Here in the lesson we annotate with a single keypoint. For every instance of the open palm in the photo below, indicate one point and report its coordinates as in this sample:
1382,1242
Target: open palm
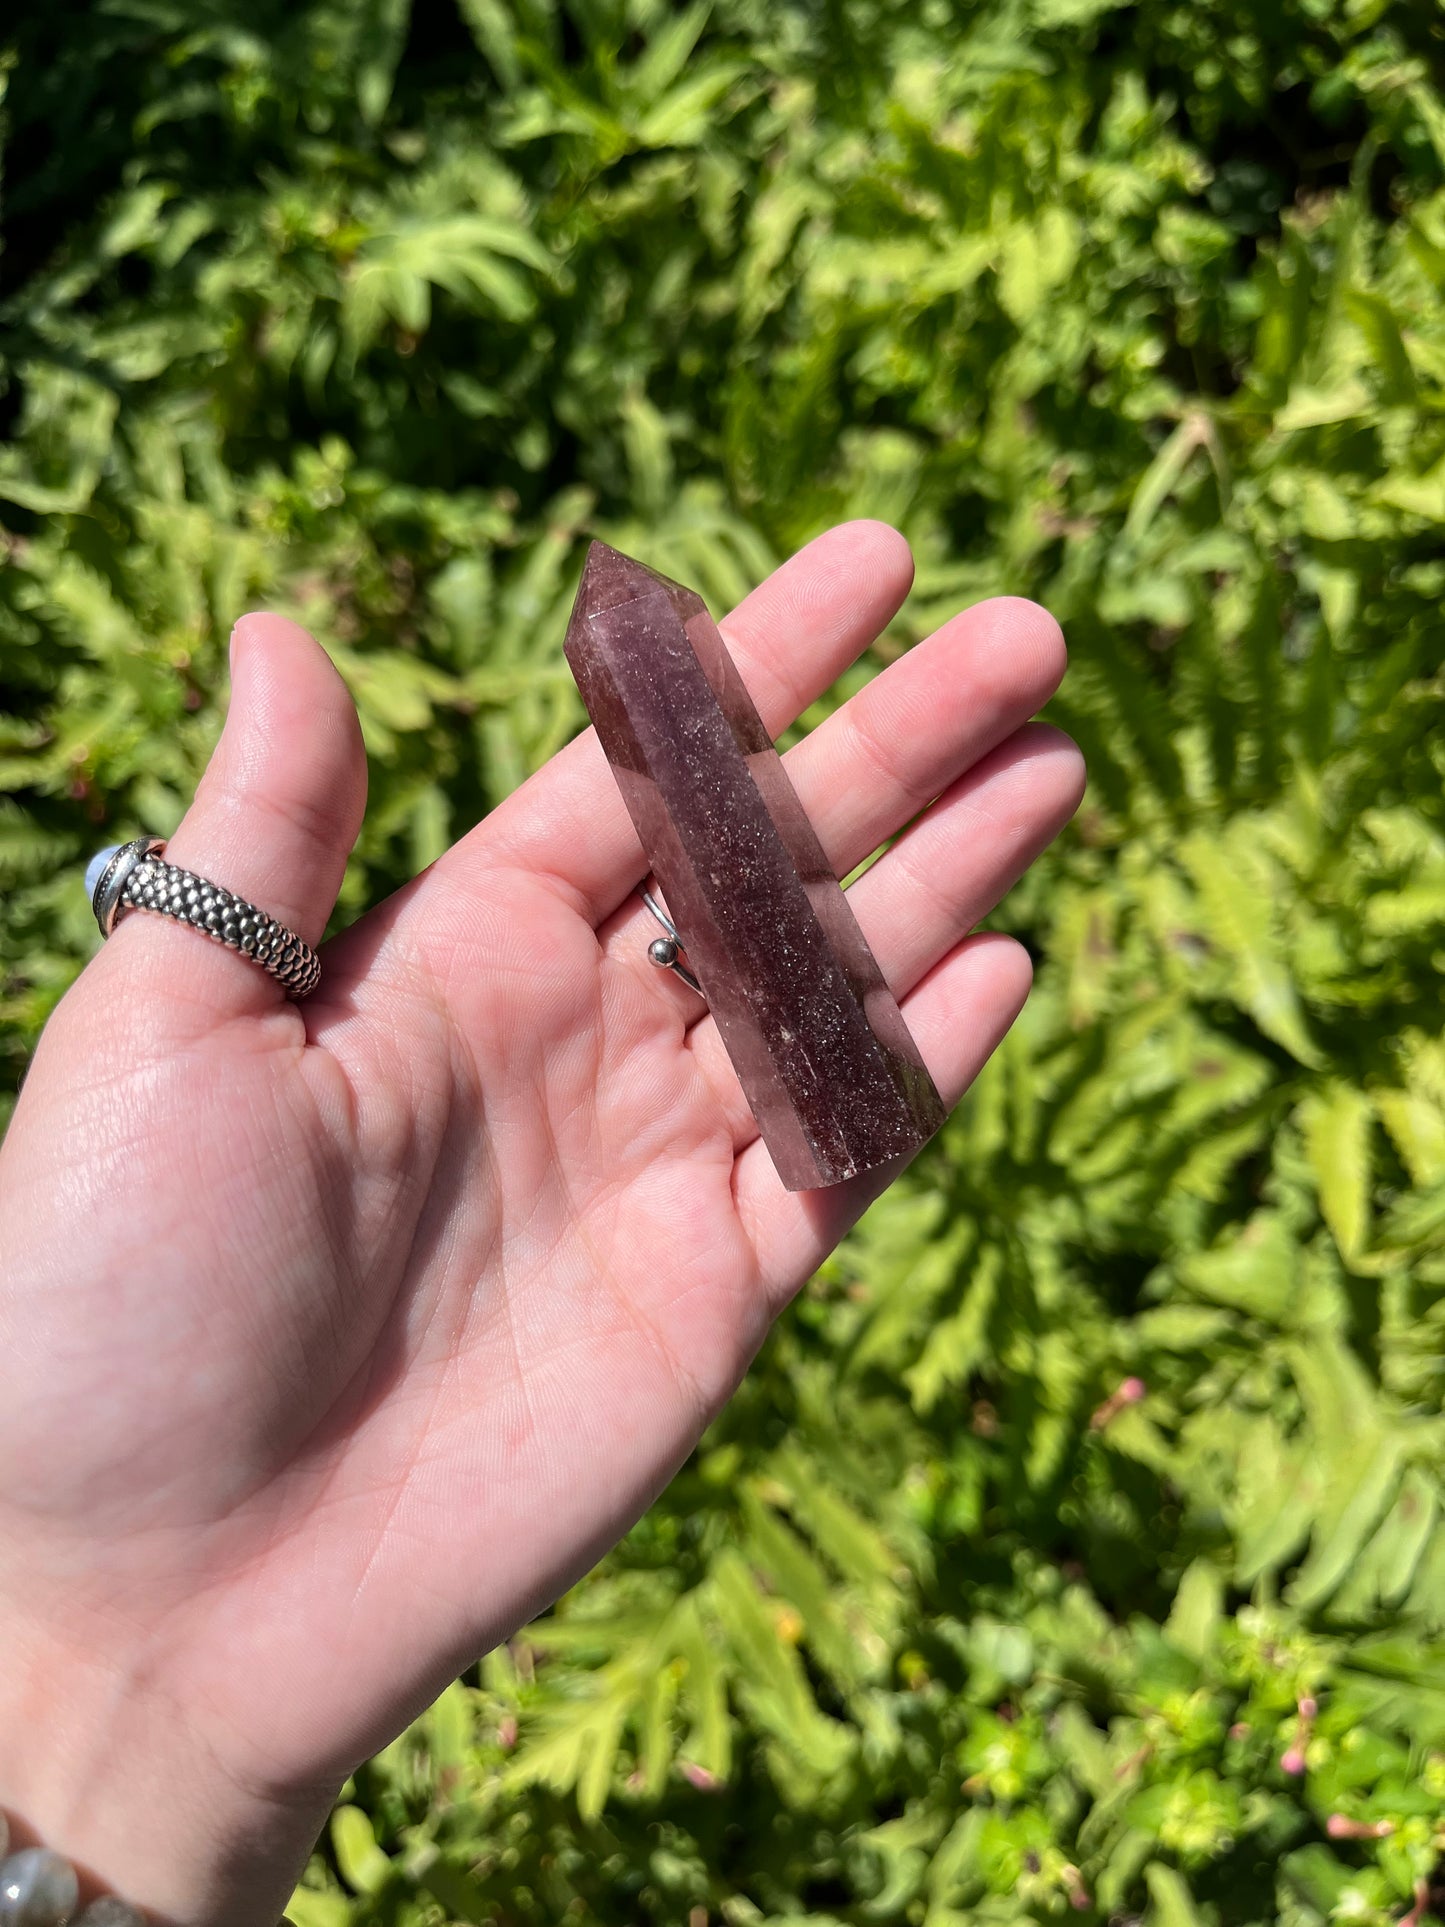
344,1336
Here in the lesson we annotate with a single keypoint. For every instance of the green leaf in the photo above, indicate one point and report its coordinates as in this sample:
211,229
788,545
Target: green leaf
1163,475
1170,1902
1337,1126
957,1344
1195,1615
771,1681
708,1744
380,29
667,52
1416,1125
686,114
1379,327
1422,495
494,32
309,1907
1239,915
364,1867
1321,407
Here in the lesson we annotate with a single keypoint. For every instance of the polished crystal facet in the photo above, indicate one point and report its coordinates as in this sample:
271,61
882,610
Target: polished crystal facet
834,1078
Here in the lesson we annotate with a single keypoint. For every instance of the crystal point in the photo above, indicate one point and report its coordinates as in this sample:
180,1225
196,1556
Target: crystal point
821,1049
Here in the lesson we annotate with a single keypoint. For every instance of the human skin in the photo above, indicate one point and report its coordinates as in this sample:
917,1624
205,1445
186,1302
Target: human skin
340,1338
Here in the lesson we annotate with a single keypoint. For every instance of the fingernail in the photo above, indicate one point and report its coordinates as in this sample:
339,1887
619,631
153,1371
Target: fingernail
238,634
241,637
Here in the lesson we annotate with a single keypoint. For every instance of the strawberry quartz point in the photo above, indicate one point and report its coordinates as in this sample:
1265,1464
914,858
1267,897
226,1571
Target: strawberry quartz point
825,1059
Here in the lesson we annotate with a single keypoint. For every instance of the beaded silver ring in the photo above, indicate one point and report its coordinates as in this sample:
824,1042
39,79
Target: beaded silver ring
135,876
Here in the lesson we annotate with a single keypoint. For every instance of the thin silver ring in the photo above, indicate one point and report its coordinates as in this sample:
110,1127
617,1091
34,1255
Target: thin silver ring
663,951
137,877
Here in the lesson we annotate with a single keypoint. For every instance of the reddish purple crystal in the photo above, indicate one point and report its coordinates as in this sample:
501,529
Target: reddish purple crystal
819,1044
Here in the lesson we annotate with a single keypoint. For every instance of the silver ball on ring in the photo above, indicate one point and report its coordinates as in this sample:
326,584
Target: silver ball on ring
663,952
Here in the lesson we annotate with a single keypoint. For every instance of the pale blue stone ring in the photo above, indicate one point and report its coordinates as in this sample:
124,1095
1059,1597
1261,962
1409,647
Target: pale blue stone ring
95,869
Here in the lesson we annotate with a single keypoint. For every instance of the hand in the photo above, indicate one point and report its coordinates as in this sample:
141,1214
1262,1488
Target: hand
340,1338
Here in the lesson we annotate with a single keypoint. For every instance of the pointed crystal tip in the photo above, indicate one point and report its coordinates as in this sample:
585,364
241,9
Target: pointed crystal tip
610,578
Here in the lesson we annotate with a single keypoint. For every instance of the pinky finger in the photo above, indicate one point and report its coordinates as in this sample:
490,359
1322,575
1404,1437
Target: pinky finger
959,1014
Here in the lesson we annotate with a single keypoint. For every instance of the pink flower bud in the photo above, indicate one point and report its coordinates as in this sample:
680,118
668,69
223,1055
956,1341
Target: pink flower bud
1078,1893
1340,1827
1128,1392
699,1777
1293,1761
1307,1708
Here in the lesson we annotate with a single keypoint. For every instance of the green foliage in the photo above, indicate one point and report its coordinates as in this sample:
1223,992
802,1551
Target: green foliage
1079,1542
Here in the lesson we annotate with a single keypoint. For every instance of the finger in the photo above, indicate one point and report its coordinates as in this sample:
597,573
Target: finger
941,877
791,639
959,1014
899,742
273,820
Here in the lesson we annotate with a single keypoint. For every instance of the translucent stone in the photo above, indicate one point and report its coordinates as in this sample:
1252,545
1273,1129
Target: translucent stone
109,1911
96,867
836,1082
37,1889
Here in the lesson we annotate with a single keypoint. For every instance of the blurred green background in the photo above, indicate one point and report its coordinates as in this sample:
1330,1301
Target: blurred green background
1077,1546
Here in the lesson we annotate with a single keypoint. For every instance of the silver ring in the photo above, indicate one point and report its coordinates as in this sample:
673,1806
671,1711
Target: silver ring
135,876
663,951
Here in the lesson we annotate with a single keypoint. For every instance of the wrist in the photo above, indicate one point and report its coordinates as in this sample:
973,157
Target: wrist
109,1768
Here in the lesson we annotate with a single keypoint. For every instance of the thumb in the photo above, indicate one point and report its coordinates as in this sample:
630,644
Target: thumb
274,819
